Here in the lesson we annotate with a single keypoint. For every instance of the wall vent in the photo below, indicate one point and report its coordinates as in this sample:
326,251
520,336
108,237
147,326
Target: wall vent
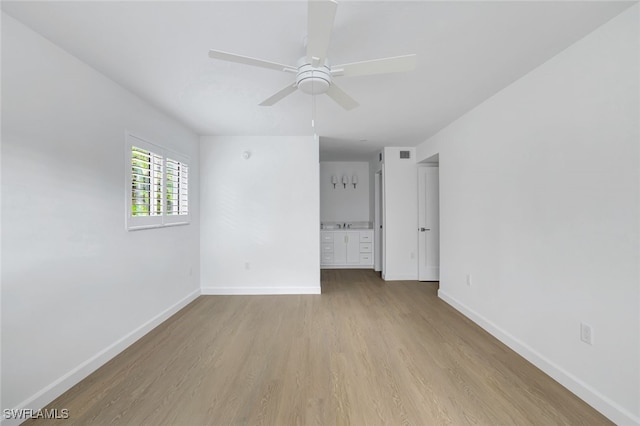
405,154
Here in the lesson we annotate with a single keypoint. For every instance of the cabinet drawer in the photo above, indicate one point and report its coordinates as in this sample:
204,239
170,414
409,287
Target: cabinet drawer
326,258
327,247
326,237
366,259
366,237
366,247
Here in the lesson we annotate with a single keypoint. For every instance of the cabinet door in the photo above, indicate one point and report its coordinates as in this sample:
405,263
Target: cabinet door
353,247
340,248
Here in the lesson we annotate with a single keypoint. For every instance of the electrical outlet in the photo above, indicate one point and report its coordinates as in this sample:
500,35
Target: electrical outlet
586,333
469,280
247,265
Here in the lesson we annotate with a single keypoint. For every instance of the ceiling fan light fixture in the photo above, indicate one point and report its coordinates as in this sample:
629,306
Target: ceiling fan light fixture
313,80
314,85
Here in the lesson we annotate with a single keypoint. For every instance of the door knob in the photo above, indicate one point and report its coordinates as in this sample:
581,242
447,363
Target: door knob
424,229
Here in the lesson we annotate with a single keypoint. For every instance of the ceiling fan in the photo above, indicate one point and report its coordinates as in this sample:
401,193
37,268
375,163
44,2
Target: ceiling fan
314,74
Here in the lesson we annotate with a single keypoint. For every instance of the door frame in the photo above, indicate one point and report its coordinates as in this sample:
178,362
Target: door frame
431,162
378,235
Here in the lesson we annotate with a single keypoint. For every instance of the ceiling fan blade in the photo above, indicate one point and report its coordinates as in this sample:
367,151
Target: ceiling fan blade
280,95
341,97
321,15
376,66
232,57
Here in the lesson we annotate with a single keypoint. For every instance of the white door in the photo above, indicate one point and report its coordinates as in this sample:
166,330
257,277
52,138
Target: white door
377,223
429,224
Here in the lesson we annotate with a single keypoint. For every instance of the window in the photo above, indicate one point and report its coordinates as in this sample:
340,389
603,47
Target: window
146,182
177,187
158,186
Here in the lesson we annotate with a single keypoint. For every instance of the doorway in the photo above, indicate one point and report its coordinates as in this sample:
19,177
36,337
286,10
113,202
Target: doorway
429,220
378,243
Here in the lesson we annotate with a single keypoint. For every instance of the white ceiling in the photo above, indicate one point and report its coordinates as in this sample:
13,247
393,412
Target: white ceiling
467,51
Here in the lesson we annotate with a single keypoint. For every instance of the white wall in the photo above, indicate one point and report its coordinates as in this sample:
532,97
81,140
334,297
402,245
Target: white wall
72,292
540,204
375,165
342,204
400,217
261,216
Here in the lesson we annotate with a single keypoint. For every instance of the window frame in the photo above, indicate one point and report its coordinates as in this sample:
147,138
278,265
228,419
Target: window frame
163,219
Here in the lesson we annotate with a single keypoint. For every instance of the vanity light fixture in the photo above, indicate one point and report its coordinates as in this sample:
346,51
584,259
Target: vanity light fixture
345,180
354,180
334,181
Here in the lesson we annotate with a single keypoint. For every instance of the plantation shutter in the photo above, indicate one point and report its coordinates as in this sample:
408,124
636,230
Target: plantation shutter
146,182
177,194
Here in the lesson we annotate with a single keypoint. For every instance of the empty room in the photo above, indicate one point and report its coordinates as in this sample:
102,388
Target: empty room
320,212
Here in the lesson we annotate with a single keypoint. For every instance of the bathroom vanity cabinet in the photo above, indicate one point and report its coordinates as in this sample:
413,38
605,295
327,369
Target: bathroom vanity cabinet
346,249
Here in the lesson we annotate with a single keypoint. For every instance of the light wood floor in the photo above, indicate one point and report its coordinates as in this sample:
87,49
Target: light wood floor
365,352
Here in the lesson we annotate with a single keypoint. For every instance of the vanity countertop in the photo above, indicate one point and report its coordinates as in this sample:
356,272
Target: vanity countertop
353,228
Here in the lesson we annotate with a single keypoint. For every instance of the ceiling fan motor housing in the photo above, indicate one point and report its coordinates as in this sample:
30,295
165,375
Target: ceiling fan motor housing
313,80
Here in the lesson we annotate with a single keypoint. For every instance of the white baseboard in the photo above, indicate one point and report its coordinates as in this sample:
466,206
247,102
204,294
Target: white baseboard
591,396
346,266
255,291
400,277
41,398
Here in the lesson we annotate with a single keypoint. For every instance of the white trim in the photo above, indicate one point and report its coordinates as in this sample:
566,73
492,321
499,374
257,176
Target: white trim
166,225
400,277
176,223
255,291
326,266
600,402
377,223
50,392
